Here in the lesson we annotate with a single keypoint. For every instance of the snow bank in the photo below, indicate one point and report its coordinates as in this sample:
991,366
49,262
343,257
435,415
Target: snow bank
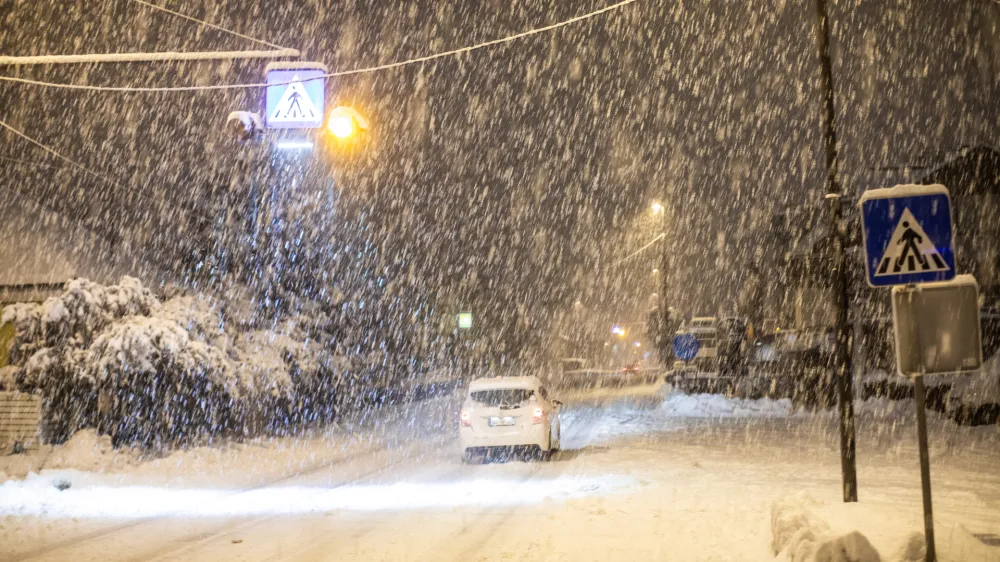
7,381
976,389
85,451
88,451
717,405
798,535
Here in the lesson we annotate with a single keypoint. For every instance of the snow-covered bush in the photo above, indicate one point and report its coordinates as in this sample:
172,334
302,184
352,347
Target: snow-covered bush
150,372
74,318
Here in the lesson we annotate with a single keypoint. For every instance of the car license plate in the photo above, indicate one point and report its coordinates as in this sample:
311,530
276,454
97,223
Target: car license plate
501,421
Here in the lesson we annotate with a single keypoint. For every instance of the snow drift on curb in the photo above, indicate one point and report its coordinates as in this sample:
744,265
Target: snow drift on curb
799,536
715,405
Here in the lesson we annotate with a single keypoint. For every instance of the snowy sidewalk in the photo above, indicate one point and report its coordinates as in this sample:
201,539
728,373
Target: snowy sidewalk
88,458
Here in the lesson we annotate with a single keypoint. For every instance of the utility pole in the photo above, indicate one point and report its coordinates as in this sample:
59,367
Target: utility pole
842,369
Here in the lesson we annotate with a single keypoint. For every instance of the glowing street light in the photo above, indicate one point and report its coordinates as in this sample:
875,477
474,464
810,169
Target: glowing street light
656,207
344,122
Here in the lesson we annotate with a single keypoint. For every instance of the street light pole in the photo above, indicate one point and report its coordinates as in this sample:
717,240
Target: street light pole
842,369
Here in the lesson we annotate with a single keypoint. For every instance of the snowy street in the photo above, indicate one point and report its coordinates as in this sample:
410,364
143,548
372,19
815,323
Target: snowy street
644,475
602,280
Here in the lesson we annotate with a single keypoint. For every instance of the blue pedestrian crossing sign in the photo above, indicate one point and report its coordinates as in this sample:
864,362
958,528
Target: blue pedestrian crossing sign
297,98
908,235
685,347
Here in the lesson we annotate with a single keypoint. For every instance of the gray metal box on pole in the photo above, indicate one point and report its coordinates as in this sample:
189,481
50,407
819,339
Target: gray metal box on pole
937,327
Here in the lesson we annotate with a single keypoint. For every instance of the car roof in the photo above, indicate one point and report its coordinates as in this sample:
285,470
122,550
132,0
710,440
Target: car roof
504,382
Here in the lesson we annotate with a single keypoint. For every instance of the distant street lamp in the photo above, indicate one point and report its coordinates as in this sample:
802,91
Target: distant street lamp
656,207
345,122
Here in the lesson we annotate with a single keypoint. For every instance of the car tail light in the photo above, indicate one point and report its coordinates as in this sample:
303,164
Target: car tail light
537,415
466,419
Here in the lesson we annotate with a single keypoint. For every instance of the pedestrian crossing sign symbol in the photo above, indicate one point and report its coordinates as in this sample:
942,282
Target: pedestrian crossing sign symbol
296,98
294,105
910,250
908,235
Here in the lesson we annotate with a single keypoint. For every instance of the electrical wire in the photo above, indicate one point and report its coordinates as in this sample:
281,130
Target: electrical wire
277,51
52,151
30,163
642,249
160,204
365,70
207,24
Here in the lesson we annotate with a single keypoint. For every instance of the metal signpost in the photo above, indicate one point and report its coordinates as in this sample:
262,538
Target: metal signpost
908,244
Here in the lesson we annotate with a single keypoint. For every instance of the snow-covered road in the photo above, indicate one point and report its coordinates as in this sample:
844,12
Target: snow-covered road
642,477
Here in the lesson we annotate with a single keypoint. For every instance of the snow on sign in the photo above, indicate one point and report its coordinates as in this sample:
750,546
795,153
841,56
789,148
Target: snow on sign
908,235
296,100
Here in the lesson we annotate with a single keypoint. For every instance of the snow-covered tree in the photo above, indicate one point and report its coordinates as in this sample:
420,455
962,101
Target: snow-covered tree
149,371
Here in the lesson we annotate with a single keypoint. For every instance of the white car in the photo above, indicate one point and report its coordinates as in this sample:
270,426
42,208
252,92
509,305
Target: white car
513,416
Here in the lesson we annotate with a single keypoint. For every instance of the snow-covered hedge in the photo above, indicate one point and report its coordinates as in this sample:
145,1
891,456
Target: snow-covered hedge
117,357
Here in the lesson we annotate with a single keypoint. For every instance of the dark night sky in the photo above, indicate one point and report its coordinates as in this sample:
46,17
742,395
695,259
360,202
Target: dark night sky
516,170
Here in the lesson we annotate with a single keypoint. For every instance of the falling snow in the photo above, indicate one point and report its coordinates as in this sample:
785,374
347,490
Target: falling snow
246,341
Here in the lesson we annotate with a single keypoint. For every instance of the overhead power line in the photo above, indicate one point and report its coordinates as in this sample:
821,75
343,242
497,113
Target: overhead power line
208,24
159,203
29,163
365,70
145,57
277,52
642,249
67,159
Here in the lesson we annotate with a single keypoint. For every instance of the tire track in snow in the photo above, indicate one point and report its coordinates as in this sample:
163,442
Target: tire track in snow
585,425
315,548
247,525
75,542
201,539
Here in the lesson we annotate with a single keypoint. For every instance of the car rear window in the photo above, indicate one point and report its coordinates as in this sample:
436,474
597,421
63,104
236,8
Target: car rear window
501,396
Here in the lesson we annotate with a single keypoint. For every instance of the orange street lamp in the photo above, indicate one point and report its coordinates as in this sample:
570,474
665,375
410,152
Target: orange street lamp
344,122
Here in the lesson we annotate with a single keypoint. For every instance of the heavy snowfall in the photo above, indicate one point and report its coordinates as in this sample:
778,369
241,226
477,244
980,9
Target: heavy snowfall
540,281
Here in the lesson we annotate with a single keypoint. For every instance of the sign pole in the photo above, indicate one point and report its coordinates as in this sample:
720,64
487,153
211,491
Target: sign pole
908,234
842,369
925,467
920,394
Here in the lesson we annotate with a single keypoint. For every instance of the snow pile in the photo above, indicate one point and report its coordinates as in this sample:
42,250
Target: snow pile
7,380
976,389
798,535
717,405
85,451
